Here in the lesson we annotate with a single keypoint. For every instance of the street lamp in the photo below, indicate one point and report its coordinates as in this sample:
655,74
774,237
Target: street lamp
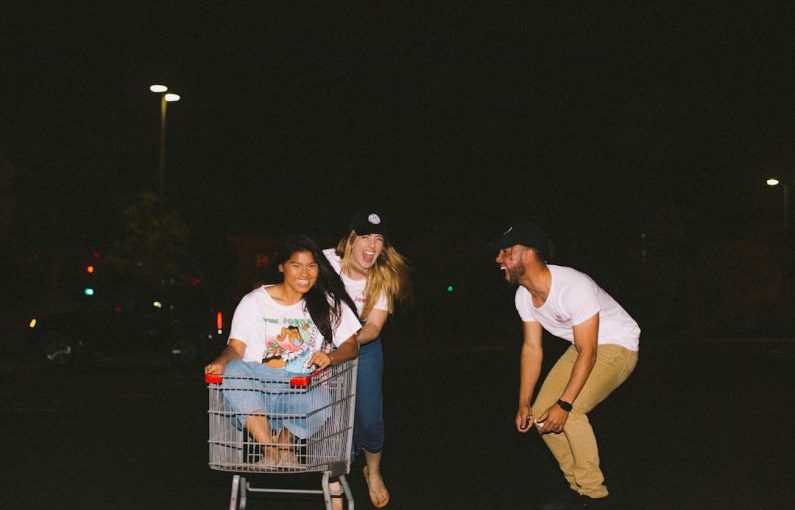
772,181
775,182
165,98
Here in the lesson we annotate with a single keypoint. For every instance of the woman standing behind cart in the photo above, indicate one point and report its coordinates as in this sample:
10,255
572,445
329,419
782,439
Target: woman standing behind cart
281,328
375,276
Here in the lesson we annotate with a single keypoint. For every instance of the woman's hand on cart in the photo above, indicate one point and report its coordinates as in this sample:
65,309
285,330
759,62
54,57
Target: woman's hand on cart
233,350
320,360
215,367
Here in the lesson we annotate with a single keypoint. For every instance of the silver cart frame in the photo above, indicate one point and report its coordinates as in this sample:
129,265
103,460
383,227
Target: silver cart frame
321,405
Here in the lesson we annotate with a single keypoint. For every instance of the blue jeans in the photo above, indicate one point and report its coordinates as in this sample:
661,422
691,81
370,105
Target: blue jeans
368,426
254,388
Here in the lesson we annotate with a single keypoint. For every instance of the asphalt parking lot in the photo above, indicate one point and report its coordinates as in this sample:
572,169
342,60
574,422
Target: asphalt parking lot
700,424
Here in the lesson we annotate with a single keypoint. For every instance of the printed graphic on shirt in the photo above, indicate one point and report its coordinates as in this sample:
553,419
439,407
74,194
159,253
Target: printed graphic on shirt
287,339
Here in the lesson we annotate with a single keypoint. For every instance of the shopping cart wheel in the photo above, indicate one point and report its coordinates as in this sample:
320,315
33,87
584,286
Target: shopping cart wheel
243,492
345,491
238,493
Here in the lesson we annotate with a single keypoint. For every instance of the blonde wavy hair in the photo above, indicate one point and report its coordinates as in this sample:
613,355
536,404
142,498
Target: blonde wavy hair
389,274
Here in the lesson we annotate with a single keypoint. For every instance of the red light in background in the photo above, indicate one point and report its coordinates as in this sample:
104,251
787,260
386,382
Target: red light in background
117,308
219,321
90,269
95,254
196,282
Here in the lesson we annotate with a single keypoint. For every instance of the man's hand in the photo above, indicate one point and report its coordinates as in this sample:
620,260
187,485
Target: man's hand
552,420
524,418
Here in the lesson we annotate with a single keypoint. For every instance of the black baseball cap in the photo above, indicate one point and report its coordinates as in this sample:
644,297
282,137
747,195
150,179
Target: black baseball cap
368,221
527,234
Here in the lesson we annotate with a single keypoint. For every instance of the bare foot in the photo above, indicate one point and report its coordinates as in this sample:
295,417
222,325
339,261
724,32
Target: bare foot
288,459
270,456
379,496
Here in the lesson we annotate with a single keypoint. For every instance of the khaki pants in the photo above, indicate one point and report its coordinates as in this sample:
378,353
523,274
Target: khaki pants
575,448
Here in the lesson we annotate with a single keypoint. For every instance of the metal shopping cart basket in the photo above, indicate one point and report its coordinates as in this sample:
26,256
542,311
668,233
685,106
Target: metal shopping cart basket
310,419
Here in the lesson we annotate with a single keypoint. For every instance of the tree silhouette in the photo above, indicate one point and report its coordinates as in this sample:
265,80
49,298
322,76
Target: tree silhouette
154,248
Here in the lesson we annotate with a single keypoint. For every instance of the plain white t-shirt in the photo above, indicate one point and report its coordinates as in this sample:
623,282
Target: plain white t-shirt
355,288
270,329
573,298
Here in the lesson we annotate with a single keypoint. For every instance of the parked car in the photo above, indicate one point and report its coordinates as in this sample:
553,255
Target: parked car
177,322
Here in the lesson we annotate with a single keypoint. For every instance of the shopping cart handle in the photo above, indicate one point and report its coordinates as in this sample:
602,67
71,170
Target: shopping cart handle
299,381
213,379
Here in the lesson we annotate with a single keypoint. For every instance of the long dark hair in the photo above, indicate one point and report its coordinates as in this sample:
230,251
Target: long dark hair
324,300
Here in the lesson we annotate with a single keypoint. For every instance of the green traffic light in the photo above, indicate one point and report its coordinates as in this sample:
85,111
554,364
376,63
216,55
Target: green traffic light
450,288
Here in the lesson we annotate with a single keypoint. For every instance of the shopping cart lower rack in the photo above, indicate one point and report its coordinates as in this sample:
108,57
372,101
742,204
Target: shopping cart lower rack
309,429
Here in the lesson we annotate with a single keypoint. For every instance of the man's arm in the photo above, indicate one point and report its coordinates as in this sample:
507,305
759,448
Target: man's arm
585,341
529,371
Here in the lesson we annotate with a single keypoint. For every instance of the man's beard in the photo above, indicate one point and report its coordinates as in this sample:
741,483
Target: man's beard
514,274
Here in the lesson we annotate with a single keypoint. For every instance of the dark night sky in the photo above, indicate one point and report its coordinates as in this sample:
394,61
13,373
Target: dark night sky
597,122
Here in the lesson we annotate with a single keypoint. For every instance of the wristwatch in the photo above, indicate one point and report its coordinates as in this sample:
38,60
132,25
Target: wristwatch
566,406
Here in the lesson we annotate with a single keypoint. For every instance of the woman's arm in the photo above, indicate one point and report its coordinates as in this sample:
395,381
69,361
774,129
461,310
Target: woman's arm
349,349
372,327
233,350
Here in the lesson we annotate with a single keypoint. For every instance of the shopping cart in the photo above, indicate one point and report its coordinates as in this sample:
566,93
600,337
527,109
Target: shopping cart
311,421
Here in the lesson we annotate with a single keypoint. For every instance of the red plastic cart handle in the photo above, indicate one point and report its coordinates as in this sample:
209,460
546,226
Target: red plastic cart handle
299,381
213,379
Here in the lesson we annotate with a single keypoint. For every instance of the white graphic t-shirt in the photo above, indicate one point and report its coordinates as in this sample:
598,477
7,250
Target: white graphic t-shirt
573,298
355,288
271,330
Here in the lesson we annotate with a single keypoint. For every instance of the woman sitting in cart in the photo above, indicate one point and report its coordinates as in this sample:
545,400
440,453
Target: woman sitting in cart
280,330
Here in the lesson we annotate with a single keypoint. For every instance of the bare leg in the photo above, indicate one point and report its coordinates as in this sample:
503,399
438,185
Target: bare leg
379,496
257,426
285,442
285,437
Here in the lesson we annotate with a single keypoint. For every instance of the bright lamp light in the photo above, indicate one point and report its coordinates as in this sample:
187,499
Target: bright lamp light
772,182
172,97
158,89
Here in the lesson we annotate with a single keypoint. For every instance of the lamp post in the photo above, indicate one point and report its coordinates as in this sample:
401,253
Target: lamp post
775,182
787,213
165,98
